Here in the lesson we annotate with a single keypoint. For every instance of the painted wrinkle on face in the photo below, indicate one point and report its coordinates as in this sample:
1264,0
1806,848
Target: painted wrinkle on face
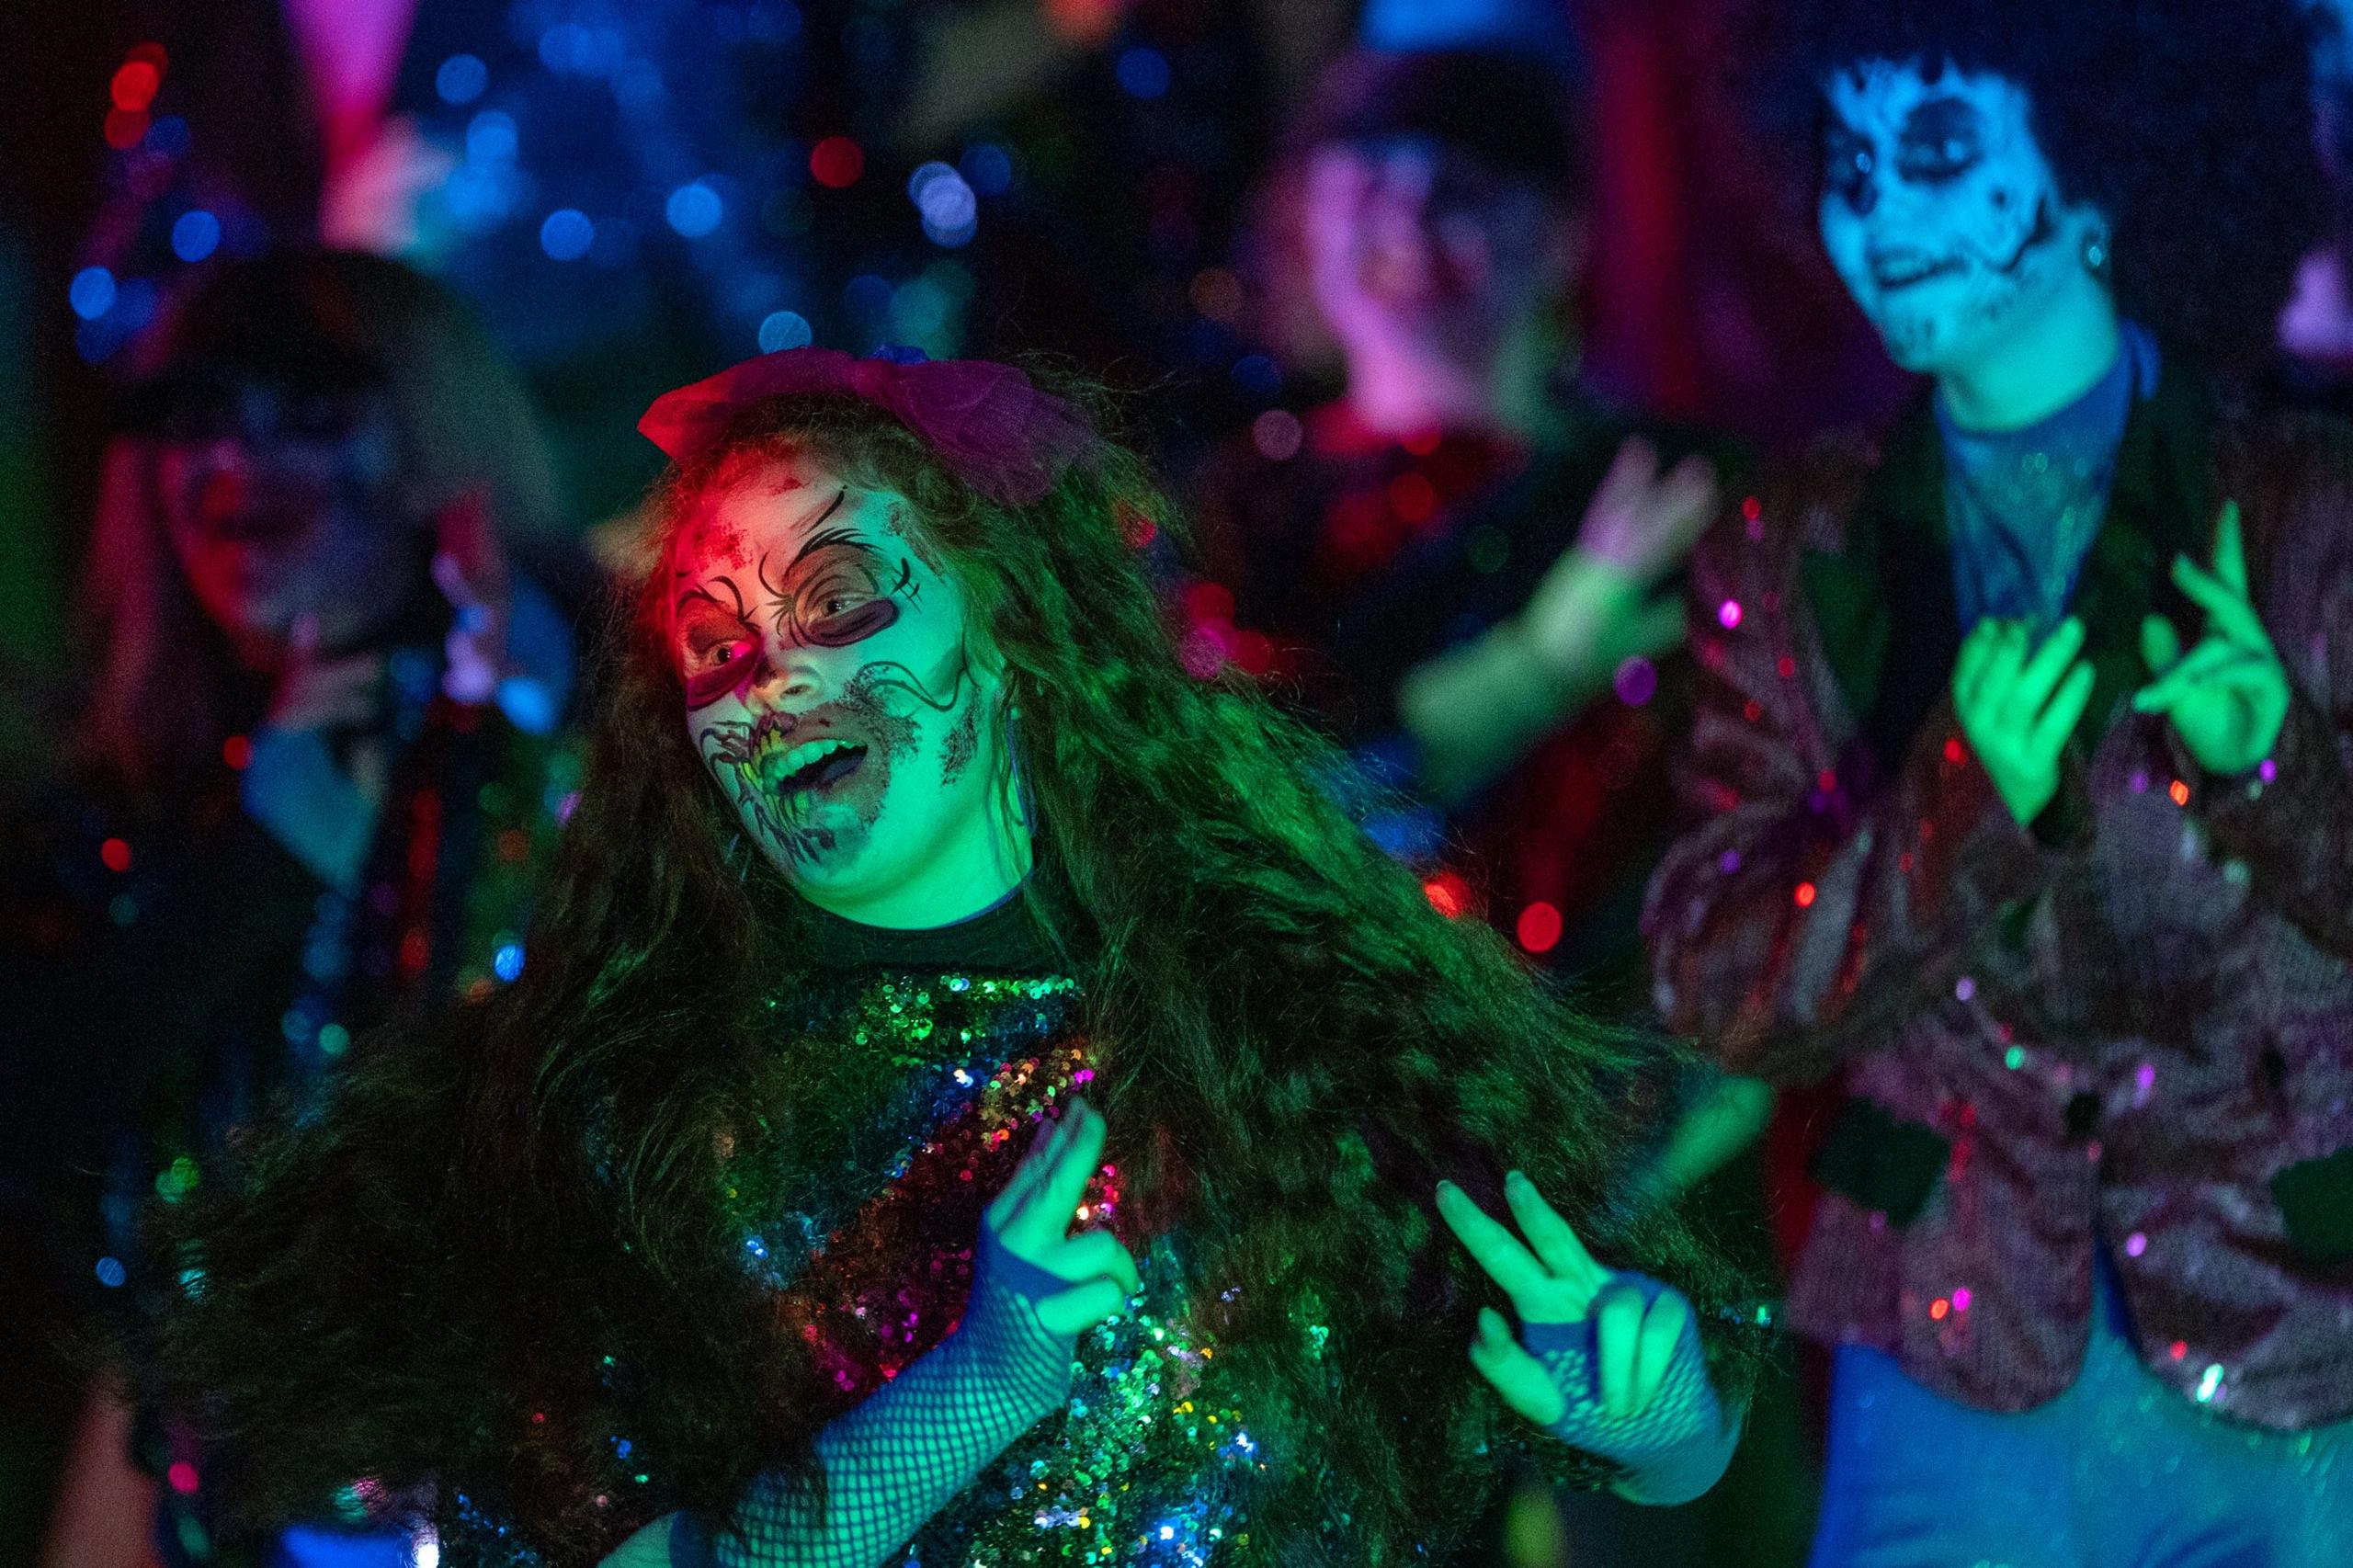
1938,210
821,654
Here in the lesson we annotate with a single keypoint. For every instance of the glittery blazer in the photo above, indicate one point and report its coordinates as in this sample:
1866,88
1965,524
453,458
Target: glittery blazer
2129,1027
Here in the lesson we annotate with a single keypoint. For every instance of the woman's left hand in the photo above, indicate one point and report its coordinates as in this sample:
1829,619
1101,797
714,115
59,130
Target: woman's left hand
1605,1359
2228,696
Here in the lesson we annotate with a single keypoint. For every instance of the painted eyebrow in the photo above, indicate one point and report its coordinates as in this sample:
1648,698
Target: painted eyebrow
703,592
826,540
818,522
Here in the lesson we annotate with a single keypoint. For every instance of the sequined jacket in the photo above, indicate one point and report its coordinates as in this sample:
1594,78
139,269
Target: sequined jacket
2131,1027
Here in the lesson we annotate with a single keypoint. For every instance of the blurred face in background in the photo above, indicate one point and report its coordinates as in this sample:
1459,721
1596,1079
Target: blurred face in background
286,506
1417,249
1941,214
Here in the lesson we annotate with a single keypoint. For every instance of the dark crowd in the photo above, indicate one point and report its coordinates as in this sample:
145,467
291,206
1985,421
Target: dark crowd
1170,784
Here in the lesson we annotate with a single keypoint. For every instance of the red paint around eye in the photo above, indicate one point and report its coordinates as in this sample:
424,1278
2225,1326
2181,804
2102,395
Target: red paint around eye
707,687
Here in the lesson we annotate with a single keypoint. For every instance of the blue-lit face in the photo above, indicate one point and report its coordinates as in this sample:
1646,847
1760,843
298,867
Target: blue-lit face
1939,210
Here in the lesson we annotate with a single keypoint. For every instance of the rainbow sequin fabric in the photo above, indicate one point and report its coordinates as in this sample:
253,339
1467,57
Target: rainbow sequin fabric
872,1263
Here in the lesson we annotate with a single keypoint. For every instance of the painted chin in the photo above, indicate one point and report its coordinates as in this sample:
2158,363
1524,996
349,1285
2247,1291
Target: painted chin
810,786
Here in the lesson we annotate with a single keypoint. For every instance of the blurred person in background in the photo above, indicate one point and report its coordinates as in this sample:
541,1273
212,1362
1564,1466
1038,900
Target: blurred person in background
1460,567
2022,759
303,772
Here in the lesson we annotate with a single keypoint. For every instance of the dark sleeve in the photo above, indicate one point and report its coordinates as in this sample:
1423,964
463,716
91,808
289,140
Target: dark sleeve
2292,820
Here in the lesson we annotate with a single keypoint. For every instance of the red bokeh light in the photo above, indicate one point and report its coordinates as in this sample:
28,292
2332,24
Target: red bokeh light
1448,894
134,85
116,854
836,162
1539,928
124,127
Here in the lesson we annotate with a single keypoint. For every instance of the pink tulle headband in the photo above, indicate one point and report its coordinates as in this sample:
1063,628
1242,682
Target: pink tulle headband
993,429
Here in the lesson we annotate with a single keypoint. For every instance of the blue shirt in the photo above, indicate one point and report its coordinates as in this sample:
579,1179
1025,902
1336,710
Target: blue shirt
2022,506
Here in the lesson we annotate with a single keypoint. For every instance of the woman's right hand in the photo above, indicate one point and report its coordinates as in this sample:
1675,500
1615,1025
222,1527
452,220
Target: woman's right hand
1031,1219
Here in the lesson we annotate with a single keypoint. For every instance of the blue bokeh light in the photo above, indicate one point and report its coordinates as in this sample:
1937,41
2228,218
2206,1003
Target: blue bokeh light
567,233
196,236
508,962
785,329
695,210
91,293
461,79
988,167
491,138
1143,71
1257,375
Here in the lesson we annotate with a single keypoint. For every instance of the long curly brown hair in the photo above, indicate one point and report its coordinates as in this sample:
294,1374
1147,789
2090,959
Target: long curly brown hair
1295,1046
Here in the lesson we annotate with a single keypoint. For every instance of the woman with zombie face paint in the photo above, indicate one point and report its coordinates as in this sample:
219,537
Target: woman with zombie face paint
971,1095
2024,764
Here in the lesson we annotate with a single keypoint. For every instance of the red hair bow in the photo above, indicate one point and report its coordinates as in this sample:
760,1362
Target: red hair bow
993,429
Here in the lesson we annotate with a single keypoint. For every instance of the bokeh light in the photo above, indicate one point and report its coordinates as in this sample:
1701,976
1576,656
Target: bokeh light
1143,71
836,162
780,330
694,209
461,79
567,233
92,292
196,236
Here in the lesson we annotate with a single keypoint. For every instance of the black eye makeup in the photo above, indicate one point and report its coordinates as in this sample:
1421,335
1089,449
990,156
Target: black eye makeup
1847,165
836,589
840,590
1942,139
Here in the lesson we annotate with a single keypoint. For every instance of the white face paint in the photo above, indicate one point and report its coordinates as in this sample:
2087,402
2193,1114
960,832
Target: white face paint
1940,213
831,691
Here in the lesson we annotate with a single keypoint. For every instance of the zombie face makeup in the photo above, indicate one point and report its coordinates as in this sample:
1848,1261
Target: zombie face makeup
840,699
283,504
1940,213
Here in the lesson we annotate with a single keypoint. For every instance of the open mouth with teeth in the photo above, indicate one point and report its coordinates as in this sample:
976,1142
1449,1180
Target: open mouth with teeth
798,775
1893,274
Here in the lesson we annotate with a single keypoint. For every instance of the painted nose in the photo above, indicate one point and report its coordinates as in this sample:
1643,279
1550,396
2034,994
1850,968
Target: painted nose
788,677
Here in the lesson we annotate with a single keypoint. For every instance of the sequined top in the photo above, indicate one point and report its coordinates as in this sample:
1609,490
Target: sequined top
1147,1464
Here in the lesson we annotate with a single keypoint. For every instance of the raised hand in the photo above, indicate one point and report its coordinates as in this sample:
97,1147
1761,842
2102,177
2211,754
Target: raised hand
1607,1360
1594,608
1030,1222
2228,696
321,810
2018,703
469,568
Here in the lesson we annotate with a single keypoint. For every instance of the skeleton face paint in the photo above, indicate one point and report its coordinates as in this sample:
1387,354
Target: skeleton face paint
830,689
1940,211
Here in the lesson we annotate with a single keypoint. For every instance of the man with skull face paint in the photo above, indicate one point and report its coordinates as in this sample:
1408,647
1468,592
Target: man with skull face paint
2023,760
